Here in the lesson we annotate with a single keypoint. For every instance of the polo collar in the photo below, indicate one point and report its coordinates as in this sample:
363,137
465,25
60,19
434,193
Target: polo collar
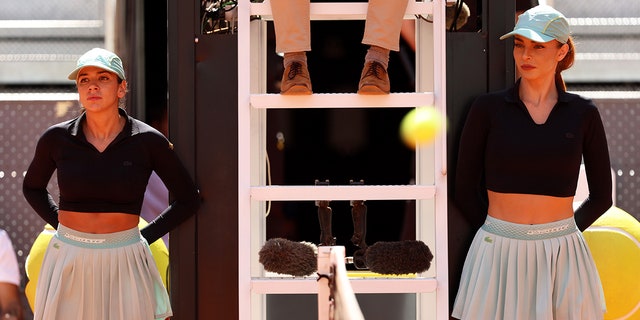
513,97
75,126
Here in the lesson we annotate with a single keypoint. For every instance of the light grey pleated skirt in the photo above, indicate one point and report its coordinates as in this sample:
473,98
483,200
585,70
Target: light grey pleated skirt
89,276
520,271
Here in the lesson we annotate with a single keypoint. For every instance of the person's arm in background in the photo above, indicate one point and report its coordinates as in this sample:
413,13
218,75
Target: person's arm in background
156,199
10,302
11,308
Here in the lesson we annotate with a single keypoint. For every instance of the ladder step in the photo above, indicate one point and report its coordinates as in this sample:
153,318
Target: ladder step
342,192
342,10
369,285
342,100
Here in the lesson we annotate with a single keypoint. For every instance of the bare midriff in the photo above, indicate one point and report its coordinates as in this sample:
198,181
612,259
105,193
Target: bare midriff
529,208
98,222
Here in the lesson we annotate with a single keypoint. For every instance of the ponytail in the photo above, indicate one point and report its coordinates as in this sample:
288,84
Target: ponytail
565,64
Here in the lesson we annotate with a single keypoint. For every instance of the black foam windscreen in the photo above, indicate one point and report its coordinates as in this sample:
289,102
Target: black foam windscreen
289,257
398,257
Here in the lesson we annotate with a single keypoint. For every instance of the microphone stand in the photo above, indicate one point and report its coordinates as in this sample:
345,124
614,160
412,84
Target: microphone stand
324,218
359,218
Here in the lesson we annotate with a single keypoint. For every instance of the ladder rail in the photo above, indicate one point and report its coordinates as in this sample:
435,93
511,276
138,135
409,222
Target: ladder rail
369,192
374,285
430,188
341,10
342,100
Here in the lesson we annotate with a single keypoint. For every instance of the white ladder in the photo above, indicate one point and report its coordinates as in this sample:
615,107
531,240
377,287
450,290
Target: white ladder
430,191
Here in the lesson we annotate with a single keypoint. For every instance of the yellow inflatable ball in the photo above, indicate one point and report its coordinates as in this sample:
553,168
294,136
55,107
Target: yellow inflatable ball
614,241
36,255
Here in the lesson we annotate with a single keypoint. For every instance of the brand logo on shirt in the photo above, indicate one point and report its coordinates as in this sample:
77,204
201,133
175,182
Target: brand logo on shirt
127,163
488,240
569,135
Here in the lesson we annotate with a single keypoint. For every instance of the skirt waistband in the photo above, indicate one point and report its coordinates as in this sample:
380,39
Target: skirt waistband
98,240
530,231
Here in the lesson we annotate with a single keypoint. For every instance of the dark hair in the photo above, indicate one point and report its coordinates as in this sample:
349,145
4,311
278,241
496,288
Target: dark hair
565,63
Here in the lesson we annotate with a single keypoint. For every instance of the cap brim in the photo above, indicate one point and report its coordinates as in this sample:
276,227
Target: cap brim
530,34
74,74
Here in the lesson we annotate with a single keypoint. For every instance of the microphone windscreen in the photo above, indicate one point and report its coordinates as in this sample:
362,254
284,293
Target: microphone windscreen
289,257
461,19
398,257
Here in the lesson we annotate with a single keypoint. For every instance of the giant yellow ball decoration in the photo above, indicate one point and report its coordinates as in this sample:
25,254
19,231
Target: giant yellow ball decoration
420,126
614,241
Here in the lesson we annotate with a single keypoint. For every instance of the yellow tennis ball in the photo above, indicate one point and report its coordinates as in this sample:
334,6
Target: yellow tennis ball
420,126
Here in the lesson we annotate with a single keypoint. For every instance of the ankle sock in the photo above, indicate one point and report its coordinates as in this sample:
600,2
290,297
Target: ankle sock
378,54
290,57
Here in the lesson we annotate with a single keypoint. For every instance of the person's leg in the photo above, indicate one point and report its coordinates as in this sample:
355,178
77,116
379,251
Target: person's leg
382,34
291,21
383,24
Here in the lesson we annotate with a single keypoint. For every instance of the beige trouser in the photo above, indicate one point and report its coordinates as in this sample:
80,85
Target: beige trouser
292,19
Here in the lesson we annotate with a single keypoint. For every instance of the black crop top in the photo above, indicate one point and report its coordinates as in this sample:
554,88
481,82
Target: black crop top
110,181
502,149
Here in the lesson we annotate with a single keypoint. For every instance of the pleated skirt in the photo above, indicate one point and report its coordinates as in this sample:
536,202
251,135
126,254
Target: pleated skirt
100,276
520,271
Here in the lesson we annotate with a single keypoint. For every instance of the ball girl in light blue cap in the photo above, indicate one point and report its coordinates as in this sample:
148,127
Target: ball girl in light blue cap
518,163
98,265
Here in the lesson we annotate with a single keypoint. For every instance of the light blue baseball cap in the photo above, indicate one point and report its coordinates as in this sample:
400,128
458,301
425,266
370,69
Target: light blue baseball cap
101,58
541,23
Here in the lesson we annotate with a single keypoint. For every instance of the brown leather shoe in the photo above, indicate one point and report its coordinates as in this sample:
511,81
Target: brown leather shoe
374,79
295,80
